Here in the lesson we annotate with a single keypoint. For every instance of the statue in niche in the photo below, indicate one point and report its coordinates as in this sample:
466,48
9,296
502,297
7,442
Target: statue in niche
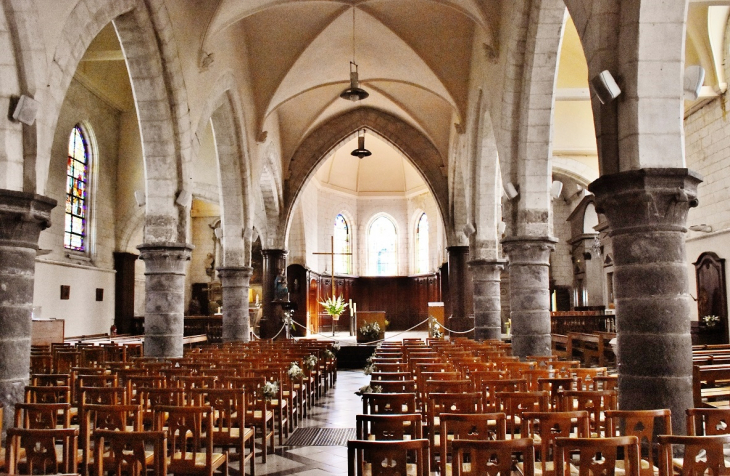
210,265
281,291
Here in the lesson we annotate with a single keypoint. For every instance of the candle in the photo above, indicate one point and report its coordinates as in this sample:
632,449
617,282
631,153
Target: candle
350,304
354,308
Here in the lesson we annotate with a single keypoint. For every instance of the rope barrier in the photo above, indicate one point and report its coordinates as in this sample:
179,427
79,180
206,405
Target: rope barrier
272,338
396,335
457,332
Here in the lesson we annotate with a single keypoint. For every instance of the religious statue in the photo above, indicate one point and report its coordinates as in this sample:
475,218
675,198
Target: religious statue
281,291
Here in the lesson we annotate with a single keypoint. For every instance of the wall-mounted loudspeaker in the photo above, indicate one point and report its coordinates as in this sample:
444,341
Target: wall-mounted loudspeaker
556,188
605,87
184,198
26,109
510,190
469,229
140,197
694,76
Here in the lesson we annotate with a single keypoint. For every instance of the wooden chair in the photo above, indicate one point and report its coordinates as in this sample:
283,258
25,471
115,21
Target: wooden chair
258,414
388,403
544,427
701,454
492,457
439,403
556,386
595,402
514,404
47,394
390,376
279,405
395,386
597,455
113,417
404,426
229,426
41,450
467,426
644,425
387,458
491,387
125,453
708,421
190,438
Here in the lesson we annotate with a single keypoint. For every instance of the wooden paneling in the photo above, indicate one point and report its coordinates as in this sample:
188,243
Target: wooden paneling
124,291
46,331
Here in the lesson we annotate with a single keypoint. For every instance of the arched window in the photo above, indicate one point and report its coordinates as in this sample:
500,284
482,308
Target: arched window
382,241
422,245
343,263
77,192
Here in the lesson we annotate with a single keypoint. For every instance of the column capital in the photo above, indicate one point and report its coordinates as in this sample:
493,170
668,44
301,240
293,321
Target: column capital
22,217
529,249
165,258
497,263
655,199
235,271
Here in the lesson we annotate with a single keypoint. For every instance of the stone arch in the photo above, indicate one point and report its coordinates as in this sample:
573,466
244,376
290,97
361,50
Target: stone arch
145,33
233,169
319,144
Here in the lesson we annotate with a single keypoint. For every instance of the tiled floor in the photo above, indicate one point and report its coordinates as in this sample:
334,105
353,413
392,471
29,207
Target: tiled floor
337,409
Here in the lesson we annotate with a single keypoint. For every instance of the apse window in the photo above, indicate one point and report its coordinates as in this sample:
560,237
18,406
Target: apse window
422,245
77,192
382,241
343,248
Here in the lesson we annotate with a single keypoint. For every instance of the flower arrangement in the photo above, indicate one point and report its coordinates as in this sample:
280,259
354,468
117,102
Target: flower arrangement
434,328
310,362
711,320
295,372
334,306
336,347
368,389
370,330
270,390
370,368
329,354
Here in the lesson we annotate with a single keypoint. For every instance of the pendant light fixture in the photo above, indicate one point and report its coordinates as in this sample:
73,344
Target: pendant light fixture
361,151
354,92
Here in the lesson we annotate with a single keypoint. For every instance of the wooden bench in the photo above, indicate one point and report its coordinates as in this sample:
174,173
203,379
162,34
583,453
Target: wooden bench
559,346
584,347
711,386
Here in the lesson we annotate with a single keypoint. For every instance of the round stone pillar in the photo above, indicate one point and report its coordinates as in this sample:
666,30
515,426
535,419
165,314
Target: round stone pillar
647,214
22,217
234,284
272,318
487,302
460,289
529,276
164,297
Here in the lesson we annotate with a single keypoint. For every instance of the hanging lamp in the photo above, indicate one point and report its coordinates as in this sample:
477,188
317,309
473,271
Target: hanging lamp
361,151
354,92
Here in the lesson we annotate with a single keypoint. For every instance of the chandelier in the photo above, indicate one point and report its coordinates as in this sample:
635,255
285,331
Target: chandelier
354,92
361,151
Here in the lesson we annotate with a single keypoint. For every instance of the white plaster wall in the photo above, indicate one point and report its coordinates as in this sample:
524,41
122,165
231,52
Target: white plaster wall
84,315
330,204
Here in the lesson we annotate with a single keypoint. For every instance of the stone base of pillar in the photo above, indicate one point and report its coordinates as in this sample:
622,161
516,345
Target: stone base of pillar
235,284
487,298
461,325
647,214
22,217
529,266
164,297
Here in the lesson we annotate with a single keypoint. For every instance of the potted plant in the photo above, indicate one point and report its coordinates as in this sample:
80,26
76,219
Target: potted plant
334,306
370,331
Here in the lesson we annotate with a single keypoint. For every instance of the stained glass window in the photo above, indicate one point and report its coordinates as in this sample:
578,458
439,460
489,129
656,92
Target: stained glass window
422,245
382,240
77,180
343,263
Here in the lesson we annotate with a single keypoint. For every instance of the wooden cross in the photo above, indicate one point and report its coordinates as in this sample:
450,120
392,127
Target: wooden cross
332,253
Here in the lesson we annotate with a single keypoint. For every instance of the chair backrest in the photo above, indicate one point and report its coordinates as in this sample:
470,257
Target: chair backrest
102,395
47,394
42,450
388,458
229,406
42,416
388,403
395,386
490,388
389,427
595,402
468,426
708,421
124,452
643,424
514,404
190,434
694,461
544,427
492,457
597,455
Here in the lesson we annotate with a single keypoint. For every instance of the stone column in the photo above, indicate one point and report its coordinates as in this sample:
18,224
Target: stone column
529,269
647,215
164,297
271,320
234,283
22,217
487,301
460,289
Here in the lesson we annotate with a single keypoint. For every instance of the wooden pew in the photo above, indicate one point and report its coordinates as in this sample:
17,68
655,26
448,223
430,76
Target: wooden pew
559,346
711,386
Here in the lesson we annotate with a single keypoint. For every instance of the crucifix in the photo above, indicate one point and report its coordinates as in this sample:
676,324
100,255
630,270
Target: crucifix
332,254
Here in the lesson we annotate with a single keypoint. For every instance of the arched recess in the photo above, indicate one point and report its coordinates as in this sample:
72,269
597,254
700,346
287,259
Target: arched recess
145,33
319,144
525,144
233,170
25,72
